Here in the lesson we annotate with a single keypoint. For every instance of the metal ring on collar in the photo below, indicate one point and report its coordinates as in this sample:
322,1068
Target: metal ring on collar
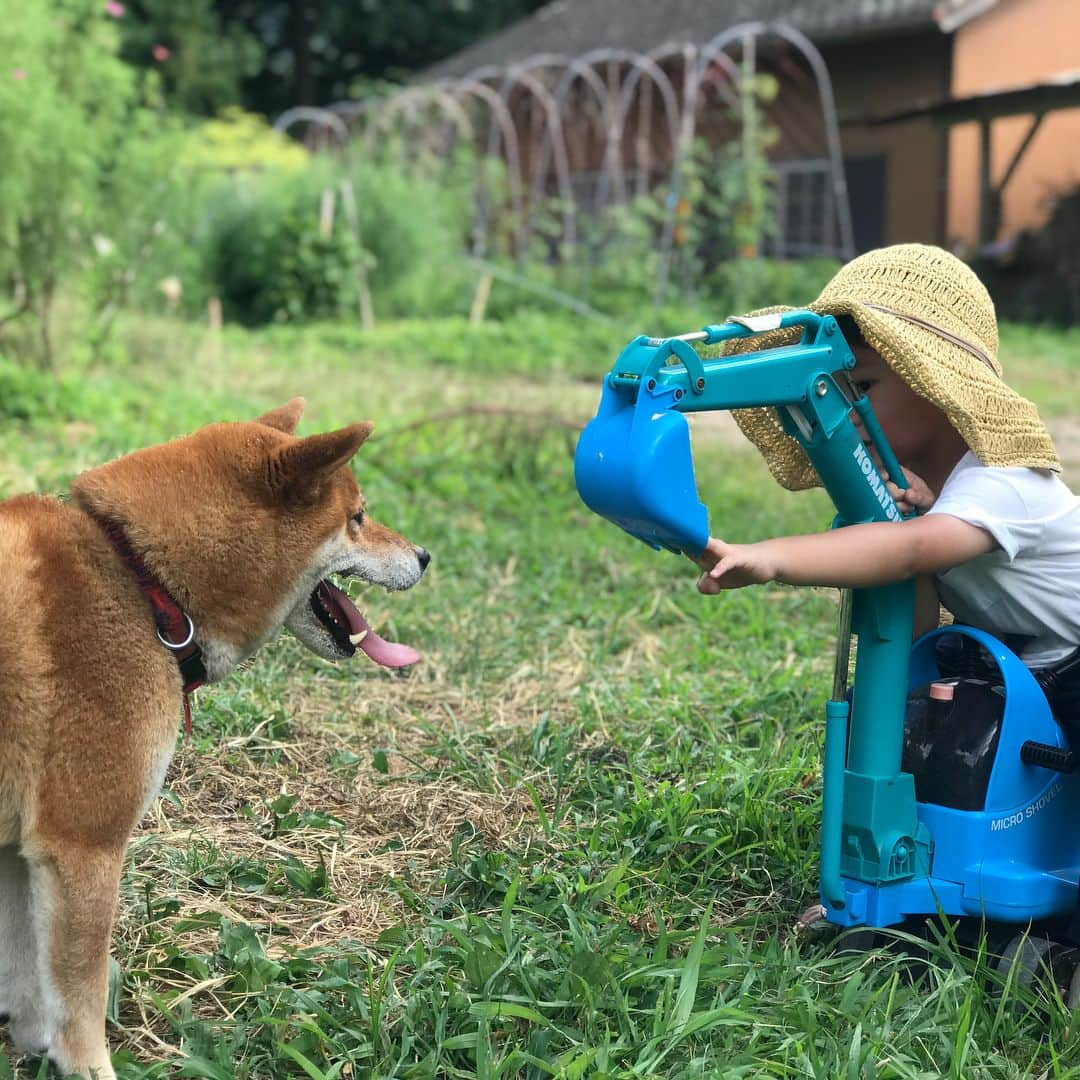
179,644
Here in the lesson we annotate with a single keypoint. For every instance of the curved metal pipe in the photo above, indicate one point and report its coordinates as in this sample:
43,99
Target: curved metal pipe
574,69
482,92
328,120
828,109
519,76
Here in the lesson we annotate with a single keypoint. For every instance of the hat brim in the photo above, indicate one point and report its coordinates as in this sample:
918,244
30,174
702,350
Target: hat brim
999,426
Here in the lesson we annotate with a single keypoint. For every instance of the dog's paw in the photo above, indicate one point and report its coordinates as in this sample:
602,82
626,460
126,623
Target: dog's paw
29,1035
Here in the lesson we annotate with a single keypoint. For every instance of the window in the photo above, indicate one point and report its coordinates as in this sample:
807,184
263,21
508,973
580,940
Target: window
805,210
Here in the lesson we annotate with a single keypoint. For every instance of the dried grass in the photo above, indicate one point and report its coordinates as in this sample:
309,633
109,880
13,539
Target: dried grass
394,827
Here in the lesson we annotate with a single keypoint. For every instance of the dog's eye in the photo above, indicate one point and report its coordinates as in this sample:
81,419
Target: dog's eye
358,517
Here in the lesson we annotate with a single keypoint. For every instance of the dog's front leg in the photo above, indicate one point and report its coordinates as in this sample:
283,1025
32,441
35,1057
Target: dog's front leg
20,993
73,894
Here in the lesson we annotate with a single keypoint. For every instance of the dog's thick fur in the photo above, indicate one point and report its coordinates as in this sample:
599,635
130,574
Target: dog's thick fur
239,522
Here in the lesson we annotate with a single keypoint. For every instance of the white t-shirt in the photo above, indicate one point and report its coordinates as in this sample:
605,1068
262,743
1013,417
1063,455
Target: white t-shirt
1030,583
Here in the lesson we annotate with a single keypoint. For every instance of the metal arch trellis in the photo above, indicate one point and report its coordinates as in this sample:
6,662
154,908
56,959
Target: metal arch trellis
749,33
494,106
612,173
574,68
520,75
321,124
412,103
480,91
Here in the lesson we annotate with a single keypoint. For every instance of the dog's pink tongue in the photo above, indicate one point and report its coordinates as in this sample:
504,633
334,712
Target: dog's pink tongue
387,653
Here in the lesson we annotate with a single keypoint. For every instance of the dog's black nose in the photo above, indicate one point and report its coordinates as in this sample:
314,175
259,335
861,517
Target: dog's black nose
424,557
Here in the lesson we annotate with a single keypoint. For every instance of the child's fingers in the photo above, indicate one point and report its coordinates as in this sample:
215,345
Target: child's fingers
707,559
900,495
707,586
709,583
722,567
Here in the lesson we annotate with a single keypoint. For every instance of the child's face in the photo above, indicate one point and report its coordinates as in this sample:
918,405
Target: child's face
913,426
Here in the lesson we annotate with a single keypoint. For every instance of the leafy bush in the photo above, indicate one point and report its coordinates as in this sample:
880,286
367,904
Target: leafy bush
240,141
147,219
64,103
201,57
154,249
742,285
277,256
414,222
96,199
29,394
271,257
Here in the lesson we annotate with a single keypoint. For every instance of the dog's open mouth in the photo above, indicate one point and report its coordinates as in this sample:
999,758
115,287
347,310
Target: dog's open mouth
350,630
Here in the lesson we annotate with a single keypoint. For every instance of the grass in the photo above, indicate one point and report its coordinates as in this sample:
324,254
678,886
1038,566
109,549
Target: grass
574,842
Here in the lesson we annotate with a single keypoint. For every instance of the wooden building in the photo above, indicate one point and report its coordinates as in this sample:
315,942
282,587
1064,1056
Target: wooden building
928,131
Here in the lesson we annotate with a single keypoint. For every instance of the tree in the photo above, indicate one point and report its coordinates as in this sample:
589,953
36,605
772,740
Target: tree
66,102
201,57
319,51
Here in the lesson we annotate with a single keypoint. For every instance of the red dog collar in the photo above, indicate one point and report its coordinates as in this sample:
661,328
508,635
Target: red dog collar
175,630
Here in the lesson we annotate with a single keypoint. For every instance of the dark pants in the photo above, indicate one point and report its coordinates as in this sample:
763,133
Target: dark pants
964,657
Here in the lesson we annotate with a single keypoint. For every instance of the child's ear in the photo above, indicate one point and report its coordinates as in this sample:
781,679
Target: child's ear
285,417
297,472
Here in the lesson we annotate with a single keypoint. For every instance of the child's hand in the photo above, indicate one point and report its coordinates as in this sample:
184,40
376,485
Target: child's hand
732,566
917,495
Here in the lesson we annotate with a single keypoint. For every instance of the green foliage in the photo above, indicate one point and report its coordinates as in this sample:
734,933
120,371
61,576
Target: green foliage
29,394
696,239
237,141
275,258
95,199
150,208
748,284
326,51
724,210
201,58
413,222
65,102
157,209
286,247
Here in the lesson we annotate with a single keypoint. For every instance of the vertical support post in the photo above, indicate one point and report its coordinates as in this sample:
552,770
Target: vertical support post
883,620
987,215
750,210
748,101
837,713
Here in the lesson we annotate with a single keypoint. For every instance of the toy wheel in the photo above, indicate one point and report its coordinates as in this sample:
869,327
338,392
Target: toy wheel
1041,960
1028,956
1072,999
861,939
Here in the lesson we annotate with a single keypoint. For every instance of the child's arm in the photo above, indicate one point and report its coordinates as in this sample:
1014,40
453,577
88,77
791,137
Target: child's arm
855,556
927,606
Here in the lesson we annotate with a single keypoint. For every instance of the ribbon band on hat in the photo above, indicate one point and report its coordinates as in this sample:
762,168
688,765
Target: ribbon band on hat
939,330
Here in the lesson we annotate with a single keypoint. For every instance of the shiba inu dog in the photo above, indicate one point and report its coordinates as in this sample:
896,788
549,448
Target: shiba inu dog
165,569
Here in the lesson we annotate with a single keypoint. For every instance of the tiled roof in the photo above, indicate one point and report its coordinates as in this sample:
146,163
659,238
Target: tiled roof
574,27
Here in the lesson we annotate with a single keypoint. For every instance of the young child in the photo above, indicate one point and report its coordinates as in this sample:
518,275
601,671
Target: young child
997,540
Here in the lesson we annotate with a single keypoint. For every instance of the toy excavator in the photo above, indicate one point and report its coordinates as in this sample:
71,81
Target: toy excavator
943,794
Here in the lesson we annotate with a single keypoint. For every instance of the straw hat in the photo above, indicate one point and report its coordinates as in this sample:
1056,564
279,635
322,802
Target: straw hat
933,322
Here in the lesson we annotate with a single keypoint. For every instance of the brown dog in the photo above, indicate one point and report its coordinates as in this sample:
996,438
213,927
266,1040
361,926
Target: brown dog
223,536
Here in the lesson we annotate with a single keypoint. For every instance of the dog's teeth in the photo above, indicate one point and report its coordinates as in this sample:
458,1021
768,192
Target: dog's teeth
355,639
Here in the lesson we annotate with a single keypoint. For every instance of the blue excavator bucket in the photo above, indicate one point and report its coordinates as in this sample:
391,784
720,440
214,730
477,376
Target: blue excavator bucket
633,465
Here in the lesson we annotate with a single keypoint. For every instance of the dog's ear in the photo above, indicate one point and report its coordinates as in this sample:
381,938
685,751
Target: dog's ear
296,472
286,417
